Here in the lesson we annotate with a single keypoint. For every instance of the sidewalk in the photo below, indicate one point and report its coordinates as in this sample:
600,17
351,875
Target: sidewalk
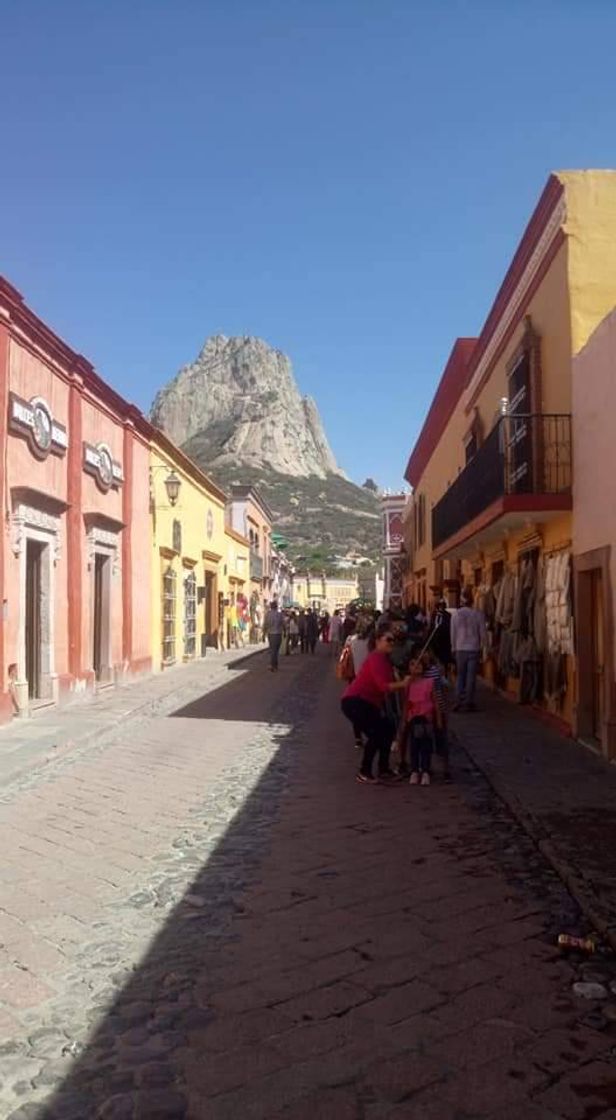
562,794
53,732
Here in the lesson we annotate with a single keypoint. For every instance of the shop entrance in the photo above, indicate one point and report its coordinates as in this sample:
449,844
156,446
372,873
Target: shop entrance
595,578
100,618
595,699
34,627
210,609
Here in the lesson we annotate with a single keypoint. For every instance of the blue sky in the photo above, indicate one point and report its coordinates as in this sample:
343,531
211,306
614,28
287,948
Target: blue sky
346,178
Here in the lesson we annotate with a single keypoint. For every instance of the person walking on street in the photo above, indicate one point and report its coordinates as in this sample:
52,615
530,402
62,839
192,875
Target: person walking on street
362,704
293,633
301,629
468,638
274,627
312,630
440,630
348,626
335,633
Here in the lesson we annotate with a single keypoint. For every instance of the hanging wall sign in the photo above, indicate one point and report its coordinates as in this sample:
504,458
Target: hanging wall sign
34,420
98,461
176,533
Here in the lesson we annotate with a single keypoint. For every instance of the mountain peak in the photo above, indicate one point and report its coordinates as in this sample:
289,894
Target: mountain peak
241,398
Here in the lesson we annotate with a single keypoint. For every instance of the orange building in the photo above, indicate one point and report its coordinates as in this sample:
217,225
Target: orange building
74,584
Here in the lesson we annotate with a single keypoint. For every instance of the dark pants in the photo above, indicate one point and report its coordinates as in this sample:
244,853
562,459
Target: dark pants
303,643
467,661
275,641
378,730
312,643
421,739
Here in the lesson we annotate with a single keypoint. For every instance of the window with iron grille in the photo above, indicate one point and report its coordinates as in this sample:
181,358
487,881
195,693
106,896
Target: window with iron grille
169,607
190,615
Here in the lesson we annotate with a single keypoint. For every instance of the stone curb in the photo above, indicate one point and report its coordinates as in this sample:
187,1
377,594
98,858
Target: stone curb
157,705
573,878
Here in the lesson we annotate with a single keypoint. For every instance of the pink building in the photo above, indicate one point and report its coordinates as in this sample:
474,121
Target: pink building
74,582
594,536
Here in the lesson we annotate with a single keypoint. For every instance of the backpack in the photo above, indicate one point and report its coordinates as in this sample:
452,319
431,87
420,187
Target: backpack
344,665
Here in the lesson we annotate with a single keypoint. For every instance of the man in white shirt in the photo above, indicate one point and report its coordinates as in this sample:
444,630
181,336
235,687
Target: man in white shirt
468,639
273,629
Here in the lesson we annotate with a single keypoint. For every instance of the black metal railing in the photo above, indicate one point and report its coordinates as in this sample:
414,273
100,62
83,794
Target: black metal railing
523,454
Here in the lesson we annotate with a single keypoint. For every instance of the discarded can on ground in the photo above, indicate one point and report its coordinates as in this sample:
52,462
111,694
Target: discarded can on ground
582,944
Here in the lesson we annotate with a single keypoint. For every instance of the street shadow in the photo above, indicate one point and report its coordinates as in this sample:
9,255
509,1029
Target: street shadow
238,700
127,1069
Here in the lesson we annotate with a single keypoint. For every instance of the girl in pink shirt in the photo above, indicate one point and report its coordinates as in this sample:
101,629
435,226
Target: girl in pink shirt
422,717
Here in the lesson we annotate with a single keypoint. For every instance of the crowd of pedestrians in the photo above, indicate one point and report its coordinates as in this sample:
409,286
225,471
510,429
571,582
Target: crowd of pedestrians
399,673
290,631
398,669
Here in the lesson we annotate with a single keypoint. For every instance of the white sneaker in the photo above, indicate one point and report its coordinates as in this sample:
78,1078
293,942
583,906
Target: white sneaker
425,778
414,779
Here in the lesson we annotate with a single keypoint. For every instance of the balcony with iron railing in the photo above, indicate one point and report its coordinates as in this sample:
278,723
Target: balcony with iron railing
523,465
255,565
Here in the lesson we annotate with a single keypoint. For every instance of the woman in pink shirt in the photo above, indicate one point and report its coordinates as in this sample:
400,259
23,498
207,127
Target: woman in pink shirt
362,703
422,717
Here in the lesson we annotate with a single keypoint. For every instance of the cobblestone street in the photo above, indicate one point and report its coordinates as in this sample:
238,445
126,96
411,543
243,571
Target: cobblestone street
205,917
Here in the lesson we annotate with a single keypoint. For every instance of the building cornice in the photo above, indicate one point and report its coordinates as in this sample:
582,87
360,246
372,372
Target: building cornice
235,536
160,443
512,300
541,238
251,494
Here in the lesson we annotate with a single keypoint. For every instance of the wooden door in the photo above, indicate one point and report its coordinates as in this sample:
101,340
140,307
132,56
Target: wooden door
97,629
33,618
598,650
210,608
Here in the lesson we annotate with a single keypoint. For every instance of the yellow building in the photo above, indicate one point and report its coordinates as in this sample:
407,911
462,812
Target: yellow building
188,554
236,586
325,593
492,467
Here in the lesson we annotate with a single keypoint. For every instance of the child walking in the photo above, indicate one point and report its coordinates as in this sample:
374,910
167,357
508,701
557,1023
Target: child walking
422,719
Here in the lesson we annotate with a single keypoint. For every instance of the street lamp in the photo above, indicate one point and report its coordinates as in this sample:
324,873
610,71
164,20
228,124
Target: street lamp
172,486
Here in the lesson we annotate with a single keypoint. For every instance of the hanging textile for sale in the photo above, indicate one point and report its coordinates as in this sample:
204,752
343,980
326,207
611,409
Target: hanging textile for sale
558,612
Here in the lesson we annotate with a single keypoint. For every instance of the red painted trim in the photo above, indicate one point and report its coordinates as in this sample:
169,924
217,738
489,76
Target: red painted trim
537,503
101,394
450,388
510,503
551,194
74,531
445,399
4,391
127,547
556,244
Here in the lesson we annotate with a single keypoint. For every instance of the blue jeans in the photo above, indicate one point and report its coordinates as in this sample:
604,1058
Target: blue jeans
275,641
467,661
421,738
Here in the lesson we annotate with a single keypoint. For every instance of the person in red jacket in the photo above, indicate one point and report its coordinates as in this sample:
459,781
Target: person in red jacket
362,704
